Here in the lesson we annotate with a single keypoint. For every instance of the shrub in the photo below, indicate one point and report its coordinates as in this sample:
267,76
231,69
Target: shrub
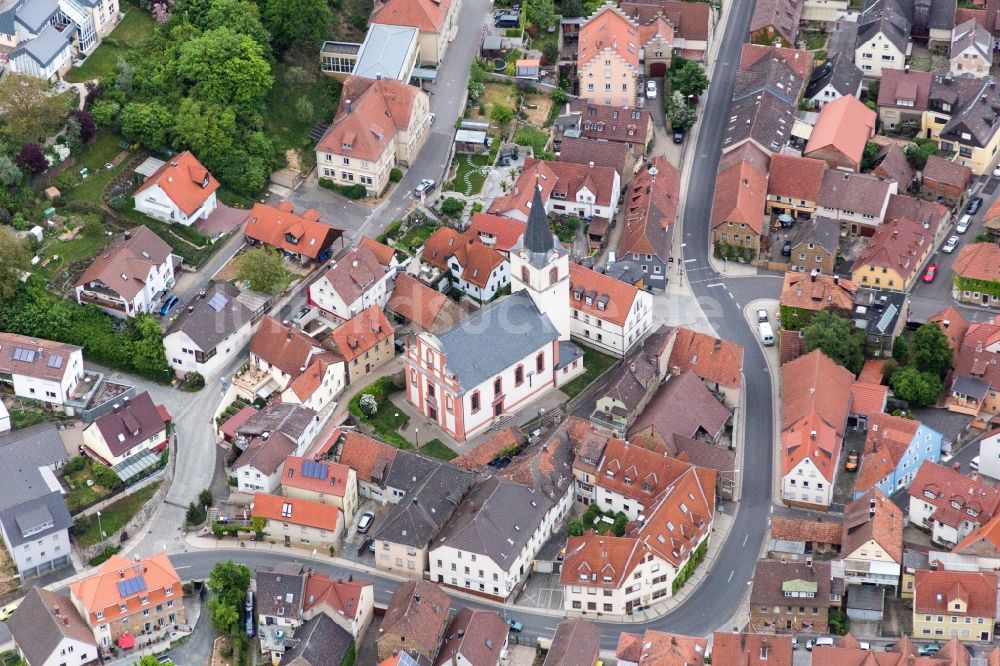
205,497
575,528
452,207
195,515
80,526
351,192
194,381
104,555
105,476
395,175
368,405
74,465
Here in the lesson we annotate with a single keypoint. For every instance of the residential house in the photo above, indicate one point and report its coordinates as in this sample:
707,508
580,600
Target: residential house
323,482
802,296
349,603
904,651
972,129
895,449
287,361
930,213
300,236
693,25
793,596
991,221
950,504
425,494
954,326
869,396
278,593
503,233
39,43
738,209
260,467
775,21
913,561
47,629
765,95
815,245
126,597
370,459
299,522
819,12
366,342
413,303
960,604
816,400
34,520
351,285
976,275
129,275
415,620
946,180
989,454
475,637
387,52
971,49
475,268
658,647
650,212
844,127
41,369
630,478
607,61
797,538
593,120
793,185
835,78
379,124
974,381
894,256
134,430
657,39
903,97
607,313
893,165
718,363
872,542
883,36
752,649
319,641
207,334
576,642
881,314
436,21
857,201
586,191
299,424
181,191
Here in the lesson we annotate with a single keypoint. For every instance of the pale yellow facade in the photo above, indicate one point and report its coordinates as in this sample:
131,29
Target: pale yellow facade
348,503
608,79
408,560
945,626
978,159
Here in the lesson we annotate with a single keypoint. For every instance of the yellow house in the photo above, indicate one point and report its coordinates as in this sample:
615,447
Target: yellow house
872,541
321,482
894,256
972,130
608,58
951,604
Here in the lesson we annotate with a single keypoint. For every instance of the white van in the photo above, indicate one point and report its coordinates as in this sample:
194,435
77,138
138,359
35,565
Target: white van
766,333
822,641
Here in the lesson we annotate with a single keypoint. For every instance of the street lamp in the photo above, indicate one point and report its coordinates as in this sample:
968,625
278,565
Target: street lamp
99,527
416,437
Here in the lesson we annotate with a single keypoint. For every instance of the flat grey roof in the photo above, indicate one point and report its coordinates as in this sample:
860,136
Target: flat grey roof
348,48
470,136
149,166
384,52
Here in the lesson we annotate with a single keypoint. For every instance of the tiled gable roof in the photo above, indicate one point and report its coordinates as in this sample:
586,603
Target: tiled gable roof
368,457
296,511
425,15
855,192
486,452
610,29
844,125
130,423
124,265
798,529
42,364
577,642
681,517
770,576
650,210
366,127
683,406
353,275
936,591
100,592
898,244
600,560
691,20
422,305
609,123
383,253
610,299
947,172
477,261
418,611
709,357
266,455
564,179
751,649
740,196
868,398
280,227
502,232
796,177
185,181
956,497
43,620
978,261
323,477
911,86
583,150
286,347
817,292
873,517
782,15
362,332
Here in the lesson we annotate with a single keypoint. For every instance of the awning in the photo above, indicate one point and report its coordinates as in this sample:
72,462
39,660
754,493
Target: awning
424,74
136,464
126,641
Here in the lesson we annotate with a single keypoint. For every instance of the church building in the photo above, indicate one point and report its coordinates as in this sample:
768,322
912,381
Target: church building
507,354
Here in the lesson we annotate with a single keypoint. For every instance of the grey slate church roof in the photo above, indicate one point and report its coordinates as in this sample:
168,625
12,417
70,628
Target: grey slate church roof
30,497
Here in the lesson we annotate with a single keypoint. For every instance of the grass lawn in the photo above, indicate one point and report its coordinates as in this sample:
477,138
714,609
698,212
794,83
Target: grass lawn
495,93
103,151
80,494
116,515
534,137
24,417
416,236
815,40
389,418
470,166
294,106
134,29
596,363
437,449
85,245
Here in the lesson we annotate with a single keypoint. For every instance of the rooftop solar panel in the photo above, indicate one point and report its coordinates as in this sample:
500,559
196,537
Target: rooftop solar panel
55,361
130,586
218,301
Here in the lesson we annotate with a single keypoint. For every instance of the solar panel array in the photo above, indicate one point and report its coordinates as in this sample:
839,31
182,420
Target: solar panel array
218,301
314,470
22,354
55,362
131,586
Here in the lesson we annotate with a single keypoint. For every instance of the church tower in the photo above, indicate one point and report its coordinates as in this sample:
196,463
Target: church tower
540,265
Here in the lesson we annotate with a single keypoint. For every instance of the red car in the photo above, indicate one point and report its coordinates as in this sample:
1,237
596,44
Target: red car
930,273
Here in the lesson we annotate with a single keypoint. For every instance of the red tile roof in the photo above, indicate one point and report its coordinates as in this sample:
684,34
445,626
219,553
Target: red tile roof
899,245
912,86
280,227
795,177
636,472
41,365
485,453
740,196
232,424
873,517
978,261
320,477
940,486
868,398
424,15
681,517
368,457
988,532
378,110
415,301
936,592
798,529
185,181
564,179
606,561
383,253
100,592
584,150
692,21
586,283
817,292
872,371
124,265
710,358
501,232
417,611
953,325
799,61
751,649
296,511
477,261
354,274
340,596
609,29
287,348
789,345
650,210
946,172
845,125
362,332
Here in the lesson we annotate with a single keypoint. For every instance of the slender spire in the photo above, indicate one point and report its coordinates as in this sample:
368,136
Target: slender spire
538,235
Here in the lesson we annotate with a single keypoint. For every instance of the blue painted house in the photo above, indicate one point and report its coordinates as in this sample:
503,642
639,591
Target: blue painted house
895,449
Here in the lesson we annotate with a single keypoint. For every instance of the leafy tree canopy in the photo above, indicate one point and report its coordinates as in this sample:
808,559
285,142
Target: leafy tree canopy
837,338
931,352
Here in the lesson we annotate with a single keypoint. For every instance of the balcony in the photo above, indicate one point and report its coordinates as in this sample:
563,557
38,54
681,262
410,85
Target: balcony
252,382
103,301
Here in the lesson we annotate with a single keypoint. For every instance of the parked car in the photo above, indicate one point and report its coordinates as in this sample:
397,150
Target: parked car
974,464
974,205
169,305
8,610
795,642
950,245
650,89
250,625
761,315
963,224
249,602
678,136
928,650
853,461
371,545
365,524
514,625
996,172
424,187
930,273
301,314
786,249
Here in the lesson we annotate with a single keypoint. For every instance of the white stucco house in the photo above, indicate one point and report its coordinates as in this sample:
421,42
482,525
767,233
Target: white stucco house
181,191
40,369
353,284
607,313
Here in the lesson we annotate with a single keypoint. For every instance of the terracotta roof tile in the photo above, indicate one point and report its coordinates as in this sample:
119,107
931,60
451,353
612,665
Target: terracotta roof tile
892,165
856,192
770,575
577,643
692,21
302,512
926,212
354,274
620,295
584,150
611,123
935,592
789,345
500,232
681,517
650,210
41,366
978,261
800,62
940,486
415,301
868,398
99,592
708,357
845,125
477,635
280,227
131,424
562,178
417,610
946,172
362,332
872,371
751,649
487,452
817,292
740,196
636,472
609,29
662,649
340,596
798,529
988,532
898,244
124,265
683,406
185,181
603,561
629,647
795,177
368,457
383,253
286,347
425,15
912,86
477,261
323,477
266,455
873,516
378,110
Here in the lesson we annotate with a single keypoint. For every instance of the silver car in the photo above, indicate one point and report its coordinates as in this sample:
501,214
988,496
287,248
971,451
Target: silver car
365,524
950,245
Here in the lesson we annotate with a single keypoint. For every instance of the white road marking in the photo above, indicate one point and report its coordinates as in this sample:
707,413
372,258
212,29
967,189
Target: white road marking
688,261
745,538
716,284
550,628
731,576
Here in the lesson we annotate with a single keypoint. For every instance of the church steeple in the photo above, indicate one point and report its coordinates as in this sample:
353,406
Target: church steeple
538,235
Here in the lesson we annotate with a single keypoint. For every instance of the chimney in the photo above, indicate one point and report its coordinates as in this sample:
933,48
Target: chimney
55,610
190,308
812,276
128,234
718,344
350,106
591,164
945,324
836,279
414,501
812,435
416,597
116,408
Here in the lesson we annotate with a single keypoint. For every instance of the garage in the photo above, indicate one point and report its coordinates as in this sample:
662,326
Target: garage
865,603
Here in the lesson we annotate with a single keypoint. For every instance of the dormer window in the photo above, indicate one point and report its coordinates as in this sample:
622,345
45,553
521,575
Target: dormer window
609,474
345,146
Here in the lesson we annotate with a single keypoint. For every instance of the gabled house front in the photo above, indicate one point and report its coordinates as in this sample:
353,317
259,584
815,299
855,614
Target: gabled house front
129,276
608,58
872,541
355,282
895,449
182,191
950,504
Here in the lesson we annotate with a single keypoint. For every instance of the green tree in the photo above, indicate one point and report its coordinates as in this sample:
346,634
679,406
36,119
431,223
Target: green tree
148,660
572,9
195,514
225,616
559,96
541,14
147,352
207,130
28,113
14,259
105,111
229,582
901,350
248,166
293,22
105,476
931,352
263,269
239,15
452,207
682,114
205,497
916,387
501,113
918,152
836,337
10,175
147,123
869,156
690,79
575,528
227,68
